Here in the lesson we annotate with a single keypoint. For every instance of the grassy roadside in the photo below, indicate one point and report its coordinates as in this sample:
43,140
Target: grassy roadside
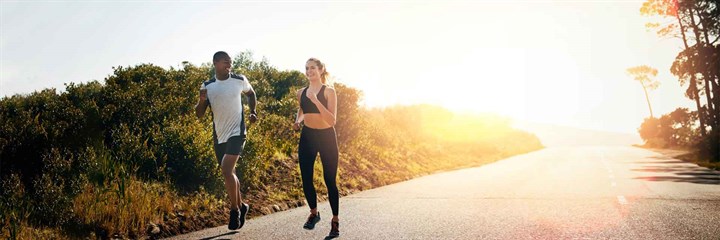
155,210
687,155
702,161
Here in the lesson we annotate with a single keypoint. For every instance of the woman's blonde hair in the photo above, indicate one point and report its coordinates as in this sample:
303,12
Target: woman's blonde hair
324,75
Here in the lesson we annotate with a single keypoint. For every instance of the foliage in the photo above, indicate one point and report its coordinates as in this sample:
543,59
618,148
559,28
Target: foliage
115,156
697,65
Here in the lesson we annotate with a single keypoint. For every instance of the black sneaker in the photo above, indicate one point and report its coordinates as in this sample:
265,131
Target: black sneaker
311,221
234,219
244,209
334,229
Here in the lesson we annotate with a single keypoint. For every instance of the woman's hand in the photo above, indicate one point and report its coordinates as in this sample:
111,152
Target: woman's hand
296,126
312,96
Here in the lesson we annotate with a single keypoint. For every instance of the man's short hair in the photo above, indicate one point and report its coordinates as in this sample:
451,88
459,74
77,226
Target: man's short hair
219,55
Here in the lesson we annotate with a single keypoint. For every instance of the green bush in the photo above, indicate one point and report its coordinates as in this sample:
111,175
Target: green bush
185,151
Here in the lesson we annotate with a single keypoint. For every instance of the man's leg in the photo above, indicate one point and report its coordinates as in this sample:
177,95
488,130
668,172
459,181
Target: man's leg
238,143
239,195
235,146
232,185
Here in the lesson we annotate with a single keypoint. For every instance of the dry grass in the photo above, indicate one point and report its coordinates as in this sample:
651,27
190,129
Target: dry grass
25,231
124,212
700,160
145,207
687,155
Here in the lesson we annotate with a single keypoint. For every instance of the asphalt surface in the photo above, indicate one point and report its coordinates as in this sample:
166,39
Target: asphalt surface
590,192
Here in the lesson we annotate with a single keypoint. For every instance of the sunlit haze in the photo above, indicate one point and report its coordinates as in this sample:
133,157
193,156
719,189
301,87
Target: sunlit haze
559,62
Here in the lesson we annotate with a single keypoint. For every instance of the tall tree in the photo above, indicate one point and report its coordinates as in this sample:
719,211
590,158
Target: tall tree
698,22
699,56
645,75
669,9
703,21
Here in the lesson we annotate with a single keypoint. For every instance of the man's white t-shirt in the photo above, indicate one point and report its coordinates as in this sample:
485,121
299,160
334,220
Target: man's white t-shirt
225,101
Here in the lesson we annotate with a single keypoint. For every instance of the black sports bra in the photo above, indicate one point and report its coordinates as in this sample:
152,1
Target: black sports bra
308,106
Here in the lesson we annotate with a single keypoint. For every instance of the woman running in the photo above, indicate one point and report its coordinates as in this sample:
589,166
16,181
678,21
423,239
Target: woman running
316,116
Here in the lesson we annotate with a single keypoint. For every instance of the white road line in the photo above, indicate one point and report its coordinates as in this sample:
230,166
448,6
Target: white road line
622,200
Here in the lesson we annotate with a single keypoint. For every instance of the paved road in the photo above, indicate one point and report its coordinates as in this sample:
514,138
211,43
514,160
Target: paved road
556,193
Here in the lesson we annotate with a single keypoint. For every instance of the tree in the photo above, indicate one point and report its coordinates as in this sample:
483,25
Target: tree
675,129
669,9
644,74
697,23
683,126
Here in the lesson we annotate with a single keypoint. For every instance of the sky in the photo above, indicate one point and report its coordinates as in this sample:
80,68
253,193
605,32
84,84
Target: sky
557,62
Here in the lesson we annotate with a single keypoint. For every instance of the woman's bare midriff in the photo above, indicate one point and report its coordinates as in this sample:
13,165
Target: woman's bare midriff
315,121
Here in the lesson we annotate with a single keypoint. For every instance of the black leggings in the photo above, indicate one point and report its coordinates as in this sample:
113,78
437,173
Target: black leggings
323,141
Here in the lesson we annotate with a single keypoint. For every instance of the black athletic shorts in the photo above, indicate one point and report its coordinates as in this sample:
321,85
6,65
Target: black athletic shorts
233,146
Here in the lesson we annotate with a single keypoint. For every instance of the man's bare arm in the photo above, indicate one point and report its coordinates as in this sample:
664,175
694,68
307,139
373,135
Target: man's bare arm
202,104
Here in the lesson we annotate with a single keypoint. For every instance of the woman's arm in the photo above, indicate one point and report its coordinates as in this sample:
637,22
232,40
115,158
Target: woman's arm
300,115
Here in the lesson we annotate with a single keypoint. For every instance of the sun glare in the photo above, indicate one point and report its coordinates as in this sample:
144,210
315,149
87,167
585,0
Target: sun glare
510,82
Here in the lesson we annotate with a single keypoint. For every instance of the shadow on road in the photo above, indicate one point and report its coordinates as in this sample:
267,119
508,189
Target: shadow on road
698,180
216,237
688,174
669,169
659,162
